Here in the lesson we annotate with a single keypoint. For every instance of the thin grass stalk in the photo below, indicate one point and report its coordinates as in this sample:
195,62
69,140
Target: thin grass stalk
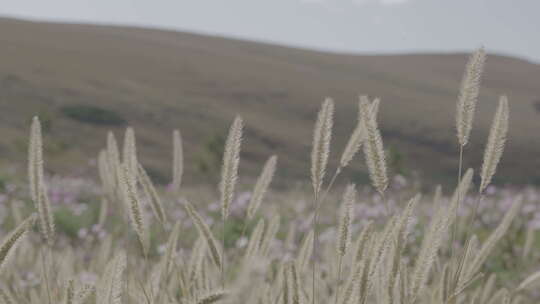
327,190
305,252
270,234
476,206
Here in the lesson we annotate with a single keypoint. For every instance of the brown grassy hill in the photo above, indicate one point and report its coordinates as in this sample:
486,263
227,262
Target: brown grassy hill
160,80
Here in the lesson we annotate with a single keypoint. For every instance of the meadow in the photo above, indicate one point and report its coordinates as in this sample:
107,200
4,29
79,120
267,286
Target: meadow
120,238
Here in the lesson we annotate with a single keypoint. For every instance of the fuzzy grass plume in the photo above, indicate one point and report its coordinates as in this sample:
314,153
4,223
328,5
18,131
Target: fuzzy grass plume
495,144
130,152
346,219
46,216
11,241
152,195
178,161
35,160
261,186
110,288
468,95
322,135
355,141
229,170
206,233
135,210
373,149
38,191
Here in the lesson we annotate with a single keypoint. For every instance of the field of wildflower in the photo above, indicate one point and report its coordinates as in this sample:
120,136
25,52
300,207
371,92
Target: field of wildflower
119,238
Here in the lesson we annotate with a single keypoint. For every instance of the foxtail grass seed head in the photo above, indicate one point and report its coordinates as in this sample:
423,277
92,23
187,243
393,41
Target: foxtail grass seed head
461,191
113,157
130,151
152,195
305,252
12,240
206,233
294,281
286,292
35,159
345,220
38,191
506,298
321,144
270,234
7,297
468,95
46,217
354,143
495,236
170,251
253,247
136,214
84,292
530,281
178,161
104,172
103,212
229,170
495,143
212,297
70,292
110,288
261,186
374,107
373,149
530,238
359,134
198,253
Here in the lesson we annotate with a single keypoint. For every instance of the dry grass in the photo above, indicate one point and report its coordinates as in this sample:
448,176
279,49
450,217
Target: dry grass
378,265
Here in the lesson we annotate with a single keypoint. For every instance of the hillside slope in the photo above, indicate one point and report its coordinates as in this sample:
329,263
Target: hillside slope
160,80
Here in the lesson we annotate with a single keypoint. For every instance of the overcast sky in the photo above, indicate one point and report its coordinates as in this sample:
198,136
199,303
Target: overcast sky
359,26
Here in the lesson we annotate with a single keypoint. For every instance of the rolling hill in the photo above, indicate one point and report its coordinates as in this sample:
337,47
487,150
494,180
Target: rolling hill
84,80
